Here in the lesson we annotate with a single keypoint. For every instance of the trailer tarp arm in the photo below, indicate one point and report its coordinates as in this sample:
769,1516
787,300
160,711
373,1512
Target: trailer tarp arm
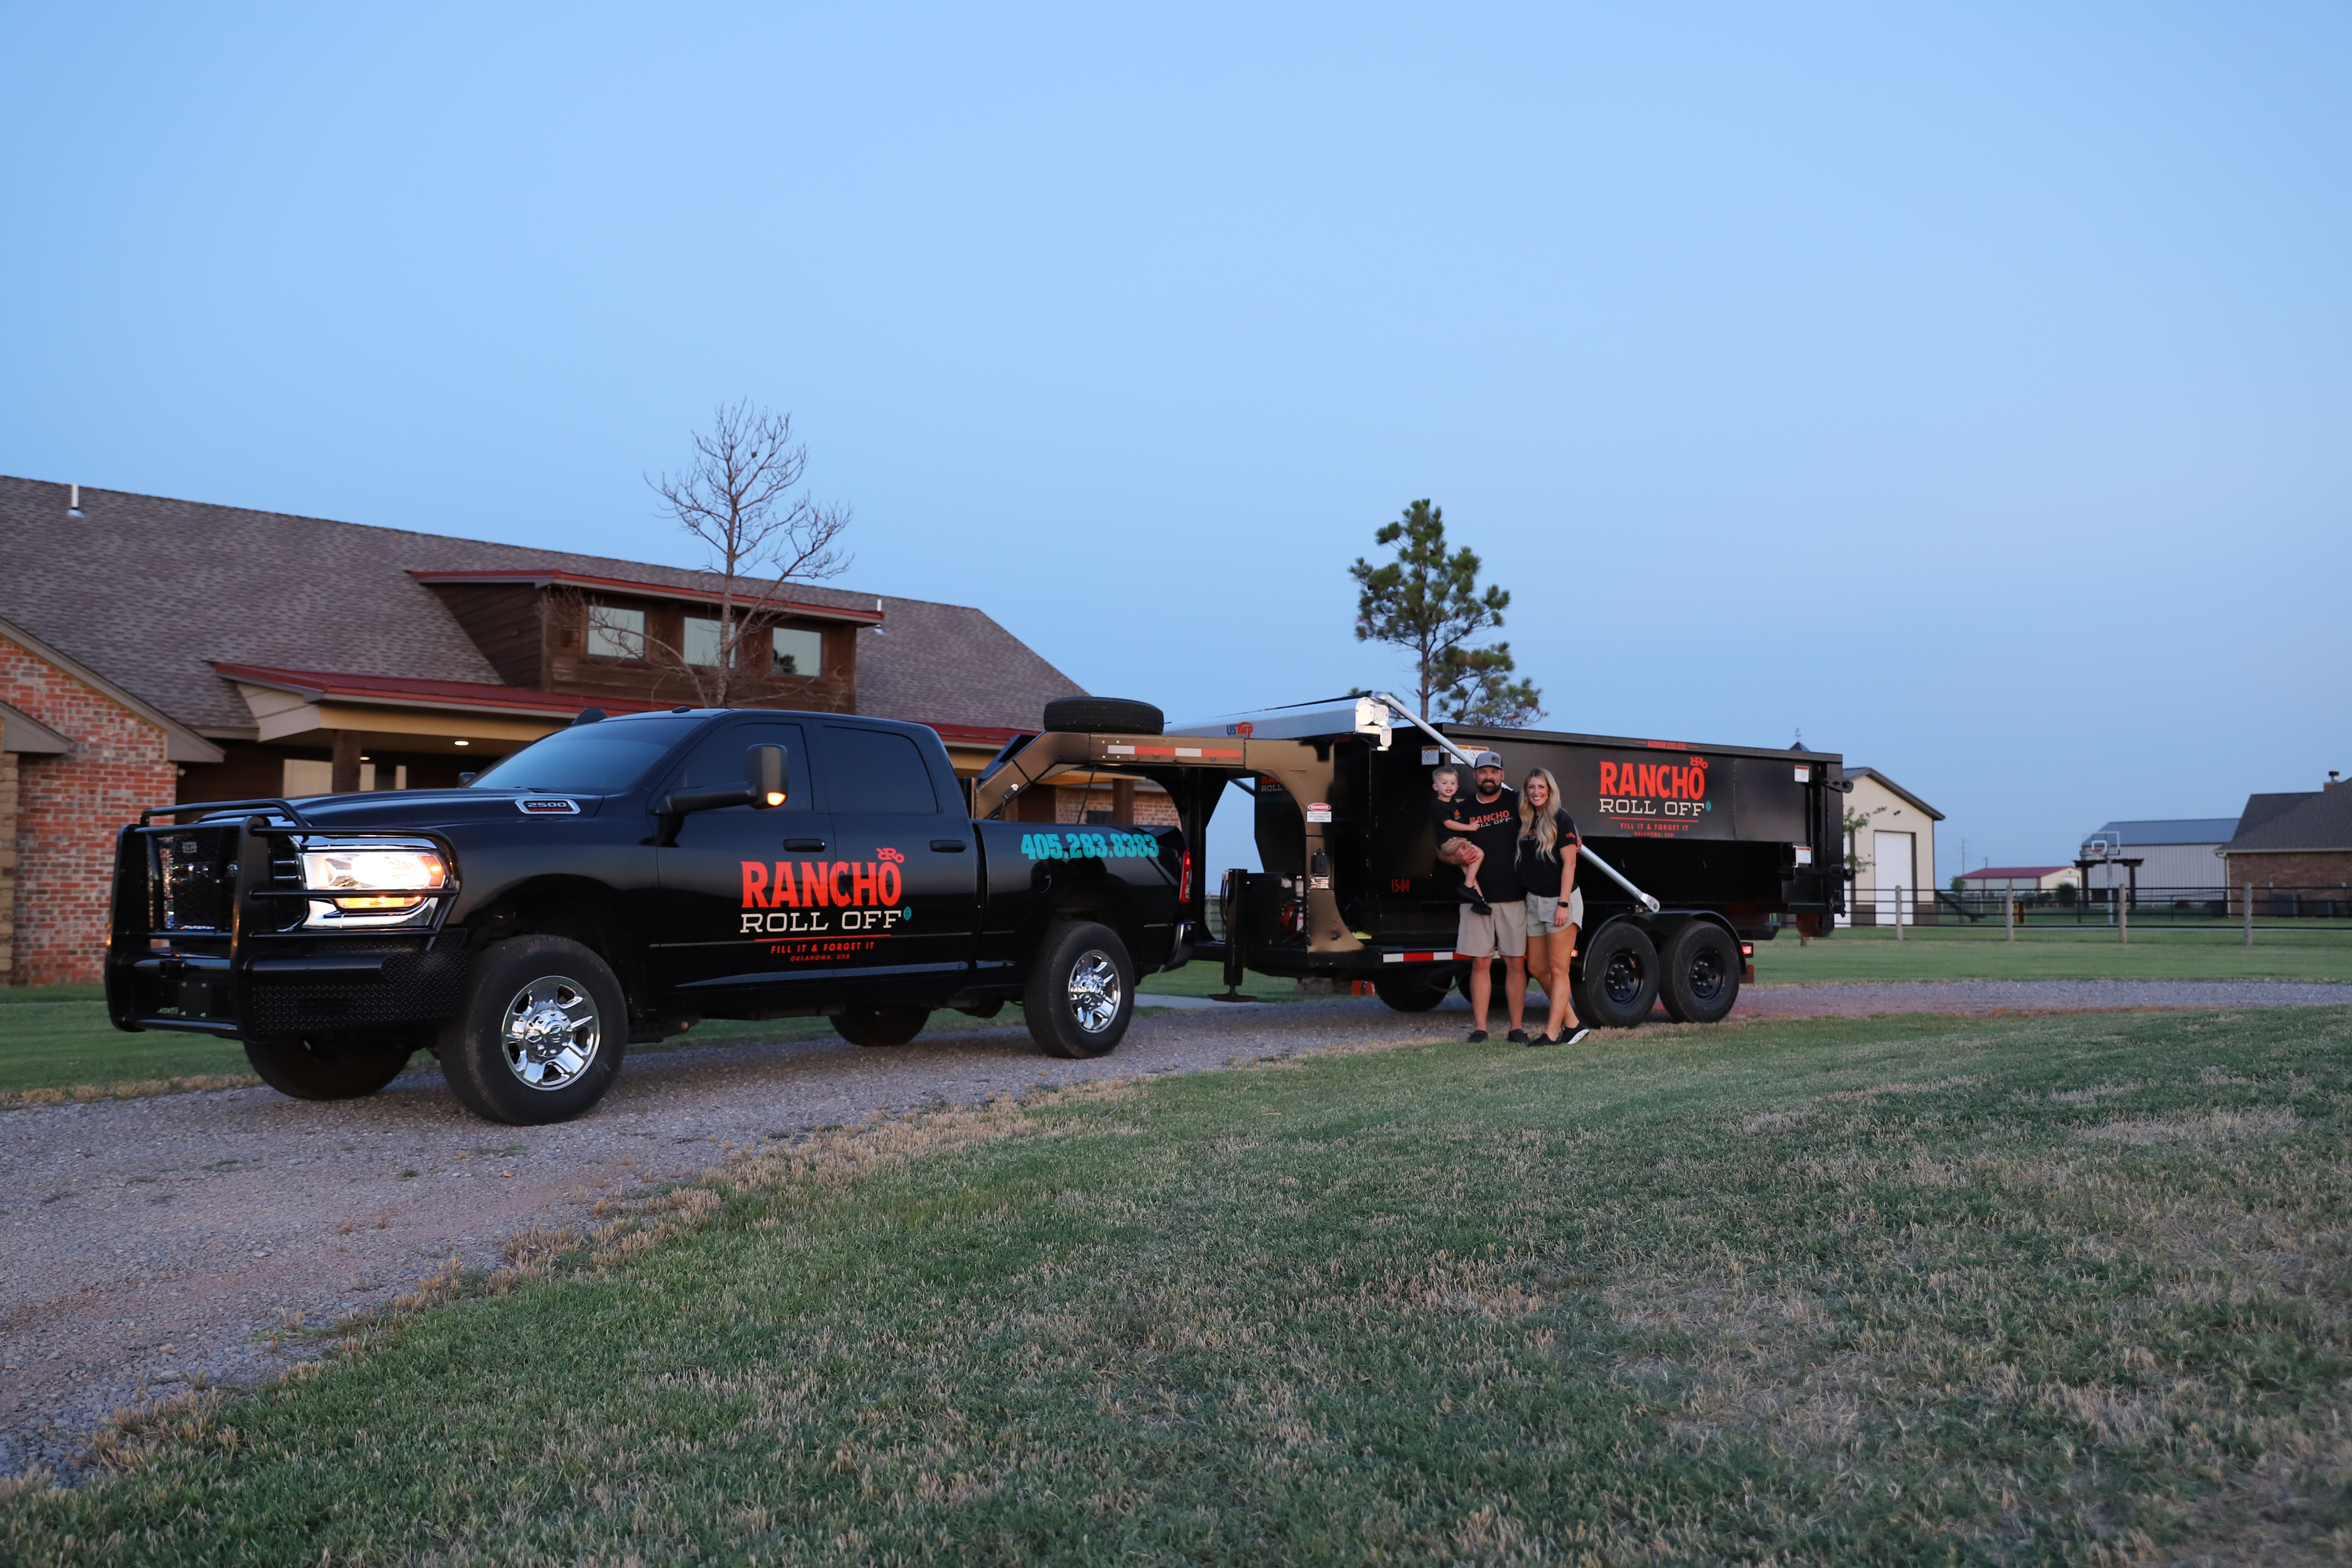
1584,852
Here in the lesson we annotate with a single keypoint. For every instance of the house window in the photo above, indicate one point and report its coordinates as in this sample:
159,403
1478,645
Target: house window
799,652
615,633
702,641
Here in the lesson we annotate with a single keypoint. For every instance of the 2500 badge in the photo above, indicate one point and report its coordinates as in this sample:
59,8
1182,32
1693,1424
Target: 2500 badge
861,895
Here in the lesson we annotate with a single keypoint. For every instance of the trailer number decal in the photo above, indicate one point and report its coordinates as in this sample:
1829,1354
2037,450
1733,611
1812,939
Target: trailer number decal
1089,846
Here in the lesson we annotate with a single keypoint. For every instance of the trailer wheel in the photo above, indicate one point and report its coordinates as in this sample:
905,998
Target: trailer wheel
1621,977
1410,993
1104,716
326,1067
1700,973
1081,995
540,1034
882,1024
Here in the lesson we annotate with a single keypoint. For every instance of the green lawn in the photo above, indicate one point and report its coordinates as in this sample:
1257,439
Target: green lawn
1918,1290
1941,952
57,1037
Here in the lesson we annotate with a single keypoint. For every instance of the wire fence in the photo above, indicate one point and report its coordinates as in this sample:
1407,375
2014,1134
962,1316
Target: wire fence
2247,908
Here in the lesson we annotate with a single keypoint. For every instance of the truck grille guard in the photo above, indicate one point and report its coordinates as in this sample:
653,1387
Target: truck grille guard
217,892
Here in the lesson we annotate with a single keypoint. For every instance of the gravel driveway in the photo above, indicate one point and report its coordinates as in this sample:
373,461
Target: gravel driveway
159,1240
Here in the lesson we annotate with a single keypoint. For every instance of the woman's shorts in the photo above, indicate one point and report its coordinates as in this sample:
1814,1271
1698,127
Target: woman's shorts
1545,916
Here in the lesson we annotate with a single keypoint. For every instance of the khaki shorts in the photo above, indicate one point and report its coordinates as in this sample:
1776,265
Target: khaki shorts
1545,916
1483,936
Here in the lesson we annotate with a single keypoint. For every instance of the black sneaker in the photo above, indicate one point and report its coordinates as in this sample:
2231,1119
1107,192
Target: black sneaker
1517,1037
1577,1037
1477,1037
1540,1040
1481,907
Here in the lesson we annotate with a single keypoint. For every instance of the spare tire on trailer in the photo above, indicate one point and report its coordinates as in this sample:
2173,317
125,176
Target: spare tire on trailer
1104,715
1699,974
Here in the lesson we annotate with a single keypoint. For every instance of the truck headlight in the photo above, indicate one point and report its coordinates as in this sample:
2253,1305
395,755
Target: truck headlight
385,874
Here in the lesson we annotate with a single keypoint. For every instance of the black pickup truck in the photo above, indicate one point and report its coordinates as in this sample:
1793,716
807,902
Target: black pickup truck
617,881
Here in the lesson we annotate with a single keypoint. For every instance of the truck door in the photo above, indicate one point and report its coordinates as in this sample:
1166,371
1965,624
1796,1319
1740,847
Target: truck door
905,856
725,925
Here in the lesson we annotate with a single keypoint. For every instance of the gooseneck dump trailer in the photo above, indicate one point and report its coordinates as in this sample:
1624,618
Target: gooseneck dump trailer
1693,852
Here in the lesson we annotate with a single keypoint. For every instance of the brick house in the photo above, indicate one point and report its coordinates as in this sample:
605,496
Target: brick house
2296,850
155,650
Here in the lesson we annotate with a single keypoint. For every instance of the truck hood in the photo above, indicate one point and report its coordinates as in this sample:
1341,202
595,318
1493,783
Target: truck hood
435,808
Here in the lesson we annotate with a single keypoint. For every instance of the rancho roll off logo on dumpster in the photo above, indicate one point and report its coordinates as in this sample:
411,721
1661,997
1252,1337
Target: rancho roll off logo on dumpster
1685,797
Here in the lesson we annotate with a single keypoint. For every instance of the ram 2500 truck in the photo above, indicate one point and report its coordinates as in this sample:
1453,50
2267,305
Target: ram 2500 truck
616,882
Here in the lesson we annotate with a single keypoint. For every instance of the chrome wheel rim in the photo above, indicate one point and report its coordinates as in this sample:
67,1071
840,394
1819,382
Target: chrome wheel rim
550,1034
1094,990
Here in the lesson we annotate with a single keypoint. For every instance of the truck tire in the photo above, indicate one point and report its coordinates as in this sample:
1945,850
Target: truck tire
540,1034
1104,715
325,1068
1081,995
1699,974
881,1023
1621,978
1410,993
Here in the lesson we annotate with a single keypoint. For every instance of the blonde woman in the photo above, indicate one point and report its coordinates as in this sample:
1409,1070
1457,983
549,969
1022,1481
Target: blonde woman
1546,869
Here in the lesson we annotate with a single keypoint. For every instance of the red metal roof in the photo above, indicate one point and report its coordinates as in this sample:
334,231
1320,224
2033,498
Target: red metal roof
658,591
406,691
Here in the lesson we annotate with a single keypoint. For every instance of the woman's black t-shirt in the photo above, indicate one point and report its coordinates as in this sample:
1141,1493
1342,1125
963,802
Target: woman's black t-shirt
1539,875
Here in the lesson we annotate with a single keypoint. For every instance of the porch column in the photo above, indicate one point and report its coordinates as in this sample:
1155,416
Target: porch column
345,779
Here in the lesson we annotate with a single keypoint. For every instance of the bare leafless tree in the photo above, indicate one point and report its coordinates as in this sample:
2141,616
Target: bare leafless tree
740,498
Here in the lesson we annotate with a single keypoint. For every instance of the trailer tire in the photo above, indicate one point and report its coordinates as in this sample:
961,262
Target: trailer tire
1081,967
1621,977
514,1052
1699,974
1104,715
881,1023
1410,993
324,1068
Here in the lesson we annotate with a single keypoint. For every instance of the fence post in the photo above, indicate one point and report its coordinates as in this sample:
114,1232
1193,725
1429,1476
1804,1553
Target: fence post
1898,911
2250,914
2008,915
2123,917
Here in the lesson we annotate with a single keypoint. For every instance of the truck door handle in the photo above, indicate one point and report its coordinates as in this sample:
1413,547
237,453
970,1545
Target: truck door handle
947,846
810,844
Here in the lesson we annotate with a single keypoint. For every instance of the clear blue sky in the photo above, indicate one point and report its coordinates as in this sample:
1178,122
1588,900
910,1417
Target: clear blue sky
1973,390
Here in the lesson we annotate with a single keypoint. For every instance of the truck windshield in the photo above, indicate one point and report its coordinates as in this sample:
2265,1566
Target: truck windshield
590,759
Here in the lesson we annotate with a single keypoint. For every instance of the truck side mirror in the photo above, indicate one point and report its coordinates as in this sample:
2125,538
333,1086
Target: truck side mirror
764,770
763,787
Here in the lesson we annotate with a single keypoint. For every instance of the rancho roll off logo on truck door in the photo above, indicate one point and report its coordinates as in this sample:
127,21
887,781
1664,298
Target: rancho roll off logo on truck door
821,898
1671,793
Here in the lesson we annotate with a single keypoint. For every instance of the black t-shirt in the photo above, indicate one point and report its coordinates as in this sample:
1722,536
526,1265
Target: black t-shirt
1539,875
1441,812
1495,829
